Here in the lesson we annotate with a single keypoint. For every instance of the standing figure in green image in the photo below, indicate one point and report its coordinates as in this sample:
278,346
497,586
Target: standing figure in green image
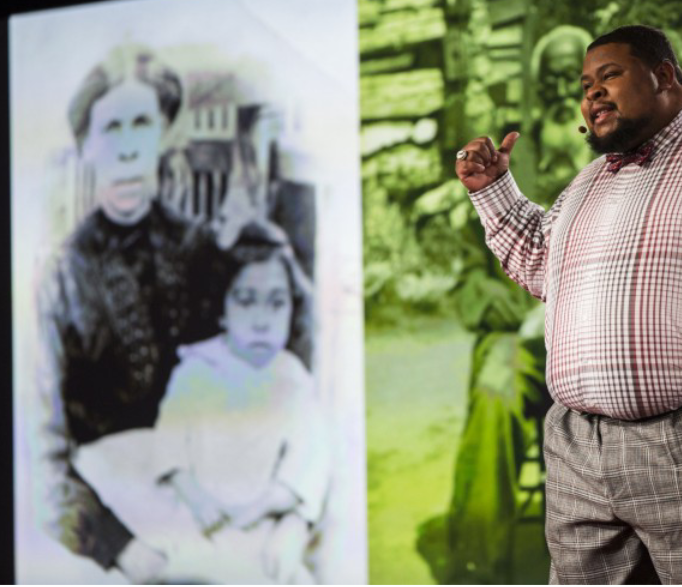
507,391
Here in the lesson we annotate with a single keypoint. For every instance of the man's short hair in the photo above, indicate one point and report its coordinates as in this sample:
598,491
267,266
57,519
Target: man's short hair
647,43
124,62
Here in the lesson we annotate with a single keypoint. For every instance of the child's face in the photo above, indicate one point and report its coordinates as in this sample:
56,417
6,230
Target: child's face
258,310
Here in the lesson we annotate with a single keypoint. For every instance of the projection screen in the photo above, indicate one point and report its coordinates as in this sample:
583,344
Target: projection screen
187,293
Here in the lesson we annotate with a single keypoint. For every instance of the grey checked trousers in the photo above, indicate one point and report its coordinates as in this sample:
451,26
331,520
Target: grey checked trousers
614,498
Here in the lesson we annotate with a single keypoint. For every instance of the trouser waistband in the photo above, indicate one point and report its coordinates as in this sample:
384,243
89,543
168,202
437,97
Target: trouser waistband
662,416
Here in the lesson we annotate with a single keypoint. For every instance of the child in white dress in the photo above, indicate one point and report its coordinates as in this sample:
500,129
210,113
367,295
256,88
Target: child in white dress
236,472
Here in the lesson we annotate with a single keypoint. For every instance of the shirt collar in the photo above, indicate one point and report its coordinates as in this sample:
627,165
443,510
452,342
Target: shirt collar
667,135
663,138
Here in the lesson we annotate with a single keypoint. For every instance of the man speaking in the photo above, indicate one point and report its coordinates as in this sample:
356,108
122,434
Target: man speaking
607,260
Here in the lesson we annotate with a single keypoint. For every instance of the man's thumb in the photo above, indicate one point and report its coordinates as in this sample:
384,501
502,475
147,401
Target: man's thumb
508,143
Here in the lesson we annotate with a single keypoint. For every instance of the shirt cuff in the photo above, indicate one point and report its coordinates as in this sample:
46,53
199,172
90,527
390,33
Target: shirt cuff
496,200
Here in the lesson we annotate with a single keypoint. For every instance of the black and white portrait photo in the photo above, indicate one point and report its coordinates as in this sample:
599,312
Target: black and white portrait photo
187,316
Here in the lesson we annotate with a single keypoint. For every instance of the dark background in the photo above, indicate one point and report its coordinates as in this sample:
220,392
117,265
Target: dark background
6,486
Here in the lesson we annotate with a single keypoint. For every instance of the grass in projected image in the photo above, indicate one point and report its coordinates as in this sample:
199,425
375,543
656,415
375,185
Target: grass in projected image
416,388
416,402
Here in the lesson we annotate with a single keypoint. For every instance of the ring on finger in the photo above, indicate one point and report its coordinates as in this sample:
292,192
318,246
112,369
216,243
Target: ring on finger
462,155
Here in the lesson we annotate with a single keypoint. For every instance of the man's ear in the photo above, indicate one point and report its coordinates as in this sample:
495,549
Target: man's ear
665,75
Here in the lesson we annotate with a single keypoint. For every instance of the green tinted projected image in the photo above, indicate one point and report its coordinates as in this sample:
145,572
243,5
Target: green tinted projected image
455,359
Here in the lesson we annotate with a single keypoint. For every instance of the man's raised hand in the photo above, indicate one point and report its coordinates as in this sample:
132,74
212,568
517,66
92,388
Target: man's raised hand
484,164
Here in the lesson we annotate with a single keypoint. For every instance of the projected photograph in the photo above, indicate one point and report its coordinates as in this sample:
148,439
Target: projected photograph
187,294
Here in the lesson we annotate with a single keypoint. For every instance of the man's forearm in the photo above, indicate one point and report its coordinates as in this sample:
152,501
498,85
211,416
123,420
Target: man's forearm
516,231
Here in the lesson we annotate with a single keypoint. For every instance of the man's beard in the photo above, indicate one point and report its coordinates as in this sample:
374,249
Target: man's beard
619,140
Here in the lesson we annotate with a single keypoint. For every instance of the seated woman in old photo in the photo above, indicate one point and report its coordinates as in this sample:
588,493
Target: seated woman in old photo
230,486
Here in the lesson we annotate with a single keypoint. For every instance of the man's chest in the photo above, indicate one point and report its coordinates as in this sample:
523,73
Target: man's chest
618,231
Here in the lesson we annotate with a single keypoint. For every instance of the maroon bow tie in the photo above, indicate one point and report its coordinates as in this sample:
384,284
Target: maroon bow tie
617,160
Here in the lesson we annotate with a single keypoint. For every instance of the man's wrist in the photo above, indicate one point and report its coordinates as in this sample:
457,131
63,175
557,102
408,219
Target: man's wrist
491,185
496,199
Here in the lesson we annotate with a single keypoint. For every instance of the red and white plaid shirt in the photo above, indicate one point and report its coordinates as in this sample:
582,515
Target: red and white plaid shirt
607,260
